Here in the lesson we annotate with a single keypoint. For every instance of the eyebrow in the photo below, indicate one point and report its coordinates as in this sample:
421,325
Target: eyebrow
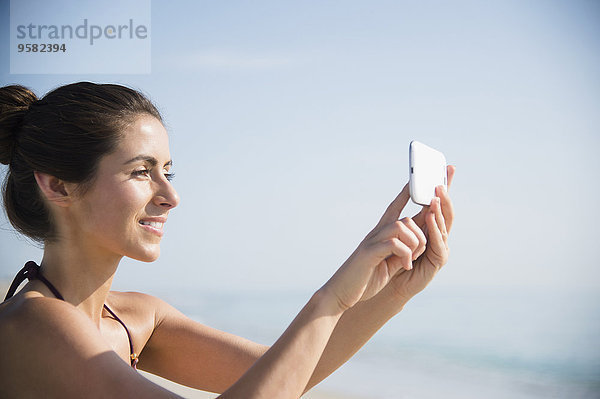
147,158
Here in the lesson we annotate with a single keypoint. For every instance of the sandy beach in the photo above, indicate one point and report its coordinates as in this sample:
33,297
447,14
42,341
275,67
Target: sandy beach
4,284
190,393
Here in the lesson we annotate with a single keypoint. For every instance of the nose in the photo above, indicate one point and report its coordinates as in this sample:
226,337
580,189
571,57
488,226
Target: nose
166,196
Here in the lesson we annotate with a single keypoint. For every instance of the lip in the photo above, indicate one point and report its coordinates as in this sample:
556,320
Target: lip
154,219
151,229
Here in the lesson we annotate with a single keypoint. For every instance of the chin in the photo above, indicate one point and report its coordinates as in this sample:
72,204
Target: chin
149,255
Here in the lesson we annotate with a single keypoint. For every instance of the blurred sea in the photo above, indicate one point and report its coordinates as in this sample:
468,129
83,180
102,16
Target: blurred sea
450,343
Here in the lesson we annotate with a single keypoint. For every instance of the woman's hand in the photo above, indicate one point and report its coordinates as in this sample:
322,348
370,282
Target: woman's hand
406,253
436,222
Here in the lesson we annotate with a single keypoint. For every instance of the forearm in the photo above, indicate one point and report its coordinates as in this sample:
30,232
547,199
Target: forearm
356,326
285,369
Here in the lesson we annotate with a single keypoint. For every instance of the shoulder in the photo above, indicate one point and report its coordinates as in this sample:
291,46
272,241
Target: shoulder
36,331
134,300
142,314
46,342
138,306
32,313
41,325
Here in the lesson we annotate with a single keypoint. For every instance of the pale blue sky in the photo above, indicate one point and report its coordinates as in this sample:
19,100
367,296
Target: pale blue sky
290,125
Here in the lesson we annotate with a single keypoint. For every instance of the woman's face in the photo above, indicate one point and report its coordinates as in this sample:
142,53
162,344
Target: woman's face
124,211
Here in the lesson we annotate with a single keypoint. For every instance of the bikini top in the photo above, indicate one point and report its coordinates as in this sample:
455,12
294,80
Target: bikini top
32,271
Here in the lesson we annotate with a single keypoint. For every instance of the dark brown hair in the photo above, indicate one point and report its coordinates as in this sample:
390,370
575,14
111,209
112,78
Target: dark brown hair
64,134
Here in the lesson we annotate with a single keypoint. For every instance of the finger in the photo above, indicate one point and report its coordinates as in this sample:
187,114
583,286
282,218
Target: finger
416,230
433,229
436,247
382,250
392,247
419,218
407,232
450,170
439,218
393,211
446,206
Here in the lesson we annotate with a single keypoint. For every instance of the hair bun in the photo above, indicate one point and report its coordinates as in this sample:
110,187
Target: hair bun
15,100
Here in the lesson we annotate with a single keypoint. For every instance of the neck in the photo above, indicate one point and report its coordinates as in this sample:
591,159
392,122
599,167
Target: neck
82,276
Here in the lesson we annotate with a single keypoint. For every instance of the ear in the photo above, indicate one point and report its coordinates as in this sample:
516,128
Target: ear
54,189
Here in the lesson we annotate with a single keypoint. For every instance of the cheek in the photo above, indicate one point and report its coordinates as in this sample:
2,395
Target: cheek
113,210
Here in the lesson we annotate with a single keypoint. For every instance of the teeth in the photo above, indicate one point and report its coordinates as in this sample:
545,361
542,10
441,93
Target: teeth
156,225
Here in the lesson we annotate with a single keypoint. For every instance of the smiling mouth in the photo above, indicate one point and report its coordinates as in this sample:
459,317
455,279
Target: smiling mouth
153,226
156,225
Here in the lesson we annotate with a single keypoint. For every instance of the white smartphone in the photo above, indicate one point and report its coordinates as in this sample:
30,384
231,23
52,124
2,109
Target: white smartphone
427,171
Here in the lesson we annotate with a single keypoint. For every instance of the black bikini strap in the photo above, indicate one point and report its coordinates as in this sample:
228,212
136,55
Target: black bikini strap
31,271
133,355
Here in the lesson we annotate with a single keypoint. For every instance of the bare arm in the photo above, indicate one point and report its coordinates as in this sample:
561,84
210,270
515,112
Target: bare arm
356,326
198,356
282,372
193,354
359,323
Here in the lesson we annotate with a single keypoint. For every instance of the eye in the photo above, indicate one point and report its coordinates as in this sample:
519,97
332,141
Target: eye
170,176
142,172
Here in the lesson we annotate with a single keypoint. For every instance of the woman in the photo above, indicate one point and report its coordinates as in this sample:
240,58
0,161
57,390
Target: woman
89,178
